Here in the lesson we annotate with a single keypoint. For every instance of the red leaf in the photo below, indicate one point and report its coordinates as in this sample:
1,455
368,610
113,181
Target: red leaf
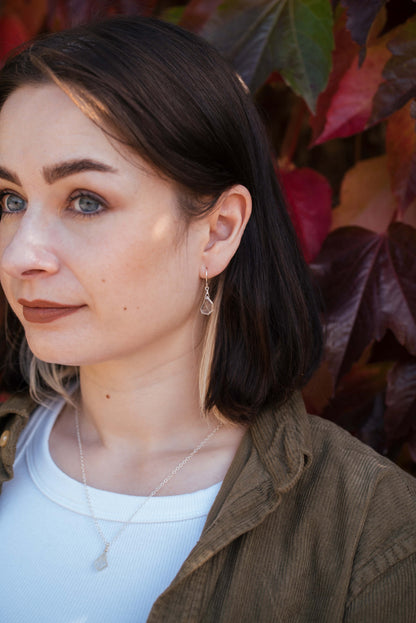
361,15
399,84
412,448
309,197
344,52
12,34
197,13
400,415
351,106
367,281
356,393
366,198
31,14
401,155
66,14
318,391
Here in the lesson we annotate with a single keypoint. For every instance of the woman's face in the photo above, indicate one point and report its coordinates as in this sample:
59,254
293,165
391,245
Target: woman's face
95,259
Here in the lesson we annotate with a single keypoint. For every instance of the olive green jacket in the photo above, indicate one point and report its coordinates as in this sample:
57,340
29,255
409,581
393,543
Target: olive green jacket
309,526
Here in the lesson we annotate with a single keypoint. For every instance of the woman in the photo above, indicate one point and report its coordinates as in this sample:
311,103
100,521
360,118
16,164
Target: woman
169,471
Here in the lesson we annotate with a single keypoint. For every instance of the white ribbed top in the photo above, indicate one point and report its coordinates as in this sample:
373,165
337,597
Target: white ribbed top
49,541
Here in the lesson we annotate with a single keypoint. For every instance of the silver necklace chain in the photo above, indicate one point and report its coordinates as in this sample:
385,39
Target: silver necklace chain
102,562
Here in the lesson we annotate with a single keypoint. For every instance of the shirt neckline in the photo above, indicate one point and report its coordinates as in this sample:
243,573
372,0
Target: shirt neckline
70,493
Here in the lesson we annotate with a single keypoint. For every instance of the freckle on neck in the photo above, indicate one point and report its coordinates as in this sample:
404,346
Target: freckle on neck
124,308
102,280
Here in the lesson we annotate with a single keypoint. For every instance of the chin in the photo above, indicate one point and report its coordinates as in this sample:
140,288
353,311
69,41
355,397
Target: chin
51,354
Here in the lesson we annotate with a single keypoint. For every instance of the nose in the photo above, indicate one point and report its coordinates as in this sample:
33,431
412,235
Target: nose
28,249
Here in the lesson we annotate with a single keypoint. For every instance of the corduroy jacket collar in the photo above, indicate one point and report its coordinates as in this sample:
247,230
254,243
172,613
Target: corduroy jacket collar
269,462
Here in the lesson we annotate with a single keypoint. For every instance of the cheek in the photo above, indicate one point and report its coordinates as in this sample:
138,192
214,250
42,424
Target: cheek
154,280
133,278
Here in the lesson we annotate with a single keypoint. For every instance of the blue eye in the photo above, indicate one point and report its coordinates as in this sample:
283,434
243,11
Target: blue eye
11,203
87,205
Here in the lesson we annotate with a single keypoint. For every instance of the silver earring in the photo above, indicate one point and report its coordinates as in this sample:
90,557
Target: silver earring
207,306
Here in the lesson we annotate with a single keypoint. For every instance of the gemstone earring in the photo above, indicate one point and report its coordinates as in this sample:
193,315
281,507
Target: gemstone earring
207,306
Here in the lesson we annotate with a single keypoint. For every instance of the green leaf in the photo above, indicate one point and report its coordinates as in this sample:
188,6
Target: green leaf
293,37
173,14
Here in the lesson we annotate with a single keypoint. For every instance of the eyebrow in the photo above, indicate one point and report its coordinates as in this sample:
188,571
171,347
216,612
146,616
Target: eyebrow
5,174
71,167
58,171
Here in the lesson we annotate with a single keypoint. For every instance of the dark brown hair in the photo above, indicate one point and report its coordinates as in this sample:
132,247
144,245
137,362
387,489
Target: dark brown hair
168,95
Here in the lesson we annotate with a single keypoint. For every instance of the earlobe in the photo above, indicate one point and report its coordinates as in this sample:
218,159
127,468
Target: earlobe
226,228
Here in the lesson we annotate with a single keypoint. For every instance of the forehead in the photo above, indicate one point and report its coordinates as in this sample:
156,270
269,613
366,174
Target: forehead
46,116
42,123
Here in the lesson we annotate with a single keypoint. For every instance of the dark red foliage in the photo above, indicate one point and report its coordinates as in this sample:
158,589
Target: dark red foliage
12,34
309,197
400,415
399,84
360,16
367,281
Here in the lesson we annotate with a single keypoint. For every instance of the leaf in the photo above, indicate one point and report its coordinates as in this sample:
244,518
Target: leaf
366,198
318,391
351,106
66,14
412,450
400,415
173,14
361,15
31,14
343,54
293,37
356,393
12,34
401,155
399,84
367,281
309,197
197,13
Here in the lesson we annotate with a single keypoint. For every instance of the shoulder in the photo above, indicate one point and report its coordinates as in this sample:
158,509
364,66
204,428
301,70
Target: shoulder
340,458
351,475
14,416
328,525
373,503
332,447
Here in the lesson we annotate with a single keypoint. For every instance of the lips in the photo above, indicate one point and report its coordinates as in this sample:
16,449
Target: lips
41,311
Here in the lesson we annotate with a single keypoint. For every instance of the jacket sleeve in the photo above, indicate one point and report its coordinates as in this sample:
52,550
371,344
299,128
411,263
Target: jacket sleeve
383,579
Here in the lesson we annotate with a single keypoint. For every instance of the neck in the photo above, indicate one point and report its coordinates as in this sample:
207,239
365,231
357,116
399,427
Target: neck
137,422
145,406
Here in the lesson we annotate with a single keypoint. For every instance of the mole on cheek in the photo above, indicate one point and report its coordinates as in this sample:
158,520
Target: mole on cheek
102,280
124,308
107,396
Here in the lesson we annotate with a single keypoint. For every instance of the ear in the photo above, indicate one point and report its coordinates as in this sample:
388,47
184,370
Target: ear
226,227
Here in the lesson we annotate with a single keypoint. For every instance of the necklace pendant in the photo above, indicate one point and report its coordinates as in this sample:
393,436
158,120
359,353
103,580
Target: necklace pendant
101,562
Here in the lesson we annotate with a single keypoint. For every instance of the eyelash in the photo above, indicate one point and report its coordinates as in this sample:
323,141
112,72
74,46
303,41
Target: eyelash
79,194
4,194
